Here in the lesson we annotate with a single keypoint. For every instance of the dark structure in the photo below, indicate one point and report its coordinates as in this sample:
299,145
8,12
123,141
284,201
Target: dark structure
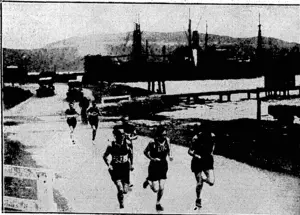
14,74
137,44
74,93
46,87
199,59
206,39
279,72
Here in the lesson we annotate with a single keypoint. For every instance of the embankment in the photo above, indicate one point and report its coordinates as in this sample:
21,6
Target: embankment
14,95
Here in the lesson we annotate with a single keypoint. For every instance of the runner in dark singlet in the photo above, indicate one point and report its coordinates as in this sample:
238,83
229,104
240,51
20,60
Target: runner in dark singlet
158,151
71,115
201,149
119,166
84,104
130,135
93,114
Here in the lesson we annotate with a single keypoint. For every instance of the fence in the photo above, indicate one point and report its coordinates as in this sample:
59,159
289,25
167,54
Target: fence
112,99
44,178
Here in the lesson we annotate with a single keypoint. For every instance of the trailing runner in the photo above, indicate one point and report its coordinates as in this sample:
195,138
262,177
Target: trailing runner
201,149
84,104
119,167
158,151
93,115
130,135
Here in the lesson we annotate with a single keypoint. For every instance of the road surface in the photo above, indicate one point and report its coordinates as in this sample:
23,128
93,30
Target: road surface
86,185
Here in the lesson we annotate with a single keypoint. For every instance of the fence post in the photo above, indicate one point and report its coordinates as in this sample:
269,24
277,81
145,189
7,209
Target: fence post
164,87
258,105
153,86
45,192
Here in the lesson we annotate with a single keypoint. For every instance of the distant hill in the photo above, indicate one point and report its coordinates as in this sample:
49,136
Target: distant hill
68,54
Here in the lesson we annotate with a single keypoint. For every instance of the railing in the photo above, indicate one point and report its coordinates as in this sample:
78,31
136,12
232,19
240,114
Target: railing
112,99
228,93
44,178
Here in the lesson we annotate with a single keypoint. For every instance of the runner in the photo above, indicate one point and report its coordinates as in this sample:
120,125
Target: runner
201,150
84,104
119,167
71,115
157,152
93,114
130,135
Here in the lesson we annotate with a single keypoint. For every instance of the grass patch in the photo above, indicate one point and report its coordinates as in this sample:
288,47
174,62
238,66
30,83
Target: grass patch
14,95
11,123
137,109
62,203
107,89
15,154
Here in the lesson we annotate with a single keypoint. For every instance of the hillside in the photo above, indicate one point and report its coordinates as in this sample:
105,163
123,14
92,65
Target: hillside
68,54
102,43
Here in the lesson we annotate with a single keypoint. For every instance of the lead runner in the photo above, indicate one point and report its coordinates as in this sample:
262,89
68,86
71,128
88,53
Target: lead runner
71,115
119,167
158,151
201,149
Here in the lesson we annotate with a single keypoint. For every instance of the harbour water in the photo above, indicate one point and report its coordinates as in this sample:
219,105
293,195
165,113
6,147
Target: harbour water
235,109
177,87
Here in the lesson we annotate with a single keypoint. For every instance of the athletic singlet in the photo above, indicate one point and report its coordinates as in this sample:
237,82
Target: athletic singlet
159,150
129,132
94,112
71,112
119,153
203,143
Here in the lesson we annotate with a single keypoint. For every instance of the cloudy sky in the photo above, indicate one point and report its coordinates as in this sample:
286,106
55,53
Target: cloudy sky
33,25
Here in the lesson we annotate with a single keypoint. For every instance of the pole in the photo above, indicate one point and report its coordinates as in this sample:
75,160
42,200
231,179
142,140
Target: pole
258,105
159,87
164,87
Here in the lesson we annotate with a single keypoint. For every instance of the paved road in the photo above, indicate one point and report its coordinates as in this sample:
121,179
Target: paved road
85,183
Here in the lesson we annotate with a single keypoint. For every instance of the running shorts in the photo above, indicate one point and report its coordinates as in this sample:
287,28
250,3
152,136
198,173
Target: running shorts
94,121
157,170
72,122
205,163
120,171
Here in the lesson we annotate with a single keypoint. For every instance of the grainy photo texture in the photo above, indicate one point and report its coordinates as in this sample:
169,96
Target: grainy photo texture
150,108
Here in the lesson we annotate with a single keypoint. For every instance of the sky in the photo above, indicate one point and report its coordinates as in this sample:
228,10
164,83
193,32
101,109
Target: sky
34,25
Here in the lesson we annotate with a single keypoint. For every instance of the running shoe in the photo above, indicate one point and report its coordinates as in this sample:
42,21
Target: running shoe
159,207
145,184
198,203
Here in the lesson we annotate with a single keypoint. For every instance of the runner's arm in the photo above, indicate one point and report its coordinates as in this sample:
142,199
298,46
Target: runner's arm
191,151
214,143
71,115
169,145
130,155
133,135
106,154
147,152
191,148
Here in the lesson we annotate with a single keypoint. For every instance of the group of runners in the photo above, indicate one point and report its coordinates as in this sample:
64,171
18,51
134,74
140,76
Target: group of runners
93,114
158,151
